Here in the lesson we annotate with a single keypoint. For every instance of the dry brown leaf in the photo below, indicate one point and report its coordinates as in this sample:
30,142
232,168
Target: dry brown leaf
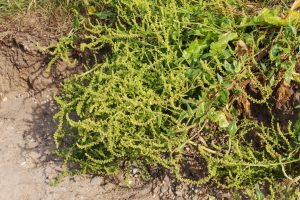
253,88
241,48
284,93
244,83
261,54
262,80
246,104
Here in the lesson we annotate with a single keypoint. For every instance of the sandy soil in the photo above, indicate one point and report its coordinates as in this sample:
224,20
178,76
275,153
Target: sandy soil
26,162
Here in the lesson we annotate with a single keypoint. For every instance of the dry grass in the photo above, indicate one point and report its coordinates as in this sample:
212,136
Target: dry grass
11,7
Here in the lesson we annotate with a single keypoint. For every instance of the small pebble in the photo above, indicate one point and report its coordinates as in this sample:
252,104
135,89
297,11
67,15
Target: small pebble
135,171
109,187
97,180
23,163
164,189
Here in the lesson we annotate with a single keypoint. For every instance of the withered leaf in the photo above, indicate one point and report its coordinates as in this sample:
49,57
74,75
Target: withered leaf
246,104
284,93
241,48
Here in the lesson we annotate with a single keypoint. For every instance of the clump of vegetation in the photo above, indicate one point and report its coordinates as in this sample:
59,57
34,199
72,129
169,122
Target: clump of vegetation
179,84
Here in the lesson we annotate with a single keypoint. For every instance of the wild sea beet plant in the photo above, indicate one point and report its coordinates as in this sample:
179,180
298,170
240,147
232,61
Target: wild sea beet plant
180,88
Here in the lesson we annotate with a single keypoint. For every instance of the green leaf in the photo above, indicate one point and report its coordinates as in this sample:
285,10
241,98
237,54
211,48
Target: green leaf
228,67
192,73
159,120
104,14
288,76
237,66
183,115
272,81
220,118
271,17
259,194
224,96
189,109
220,78
195,50
200,111
232,128
76,22
218,48
275,51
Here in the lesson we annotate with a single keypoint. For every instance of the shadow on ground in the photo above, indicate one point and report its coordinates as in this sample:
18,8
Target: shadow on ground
39,144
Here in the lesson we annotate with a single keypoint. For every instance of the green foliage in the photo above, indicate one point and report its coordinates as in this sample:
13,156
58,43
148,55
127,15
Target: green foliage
249,160
61,50
176,79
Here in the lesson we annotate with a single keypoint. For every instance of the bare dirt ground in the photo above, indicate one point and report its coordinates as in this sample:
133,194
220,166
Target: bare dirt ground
27,164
